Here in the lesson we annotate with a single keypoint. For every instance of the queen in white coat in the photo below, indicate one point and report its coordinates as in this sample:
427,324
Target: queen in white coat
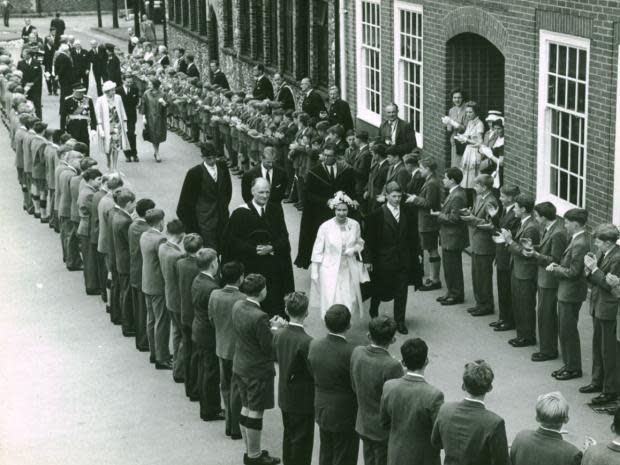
337,269
111,124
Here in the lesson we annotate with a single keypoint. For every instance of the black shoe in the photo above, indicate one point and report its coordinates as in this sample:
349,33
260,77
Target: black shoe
75,268
504,327
540,357
495,324
430,286
558,371
402,328
513,340
524,342
442,298
178,380
217,417
45,220
135,158
604,398
128,159
92,291
163,366
590,388
566,375
481,312
451,301
473,309
236,436
143,349
129,333
263,459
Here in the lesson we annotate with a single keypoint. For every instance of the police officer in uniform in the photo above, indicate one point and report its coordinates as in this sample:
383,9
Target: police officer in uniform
80,114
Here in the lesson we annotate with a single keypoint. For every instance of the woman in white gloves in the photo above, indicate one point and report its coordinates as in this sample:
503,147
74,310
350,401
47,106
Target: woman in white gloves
337,269
111,125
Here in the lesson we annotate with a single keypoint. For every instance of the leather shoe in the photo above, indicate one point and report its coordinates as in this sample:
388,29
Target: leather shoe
590,388
473,309
481,312
566,375
451,301
236,436
495,324
430,286
524,342
604,398
540,357
263,459
217,417
163,366
504,327
557,372
442,298
401,328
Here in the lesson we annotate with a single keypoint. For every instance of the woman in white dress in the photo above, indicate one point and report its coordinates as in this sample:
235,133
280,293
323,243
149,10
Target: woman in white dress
111,125
337,269
470,164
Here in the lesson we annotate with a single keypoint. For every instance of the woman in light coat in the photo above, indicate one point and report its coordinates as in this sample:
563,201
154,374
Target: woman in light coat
472,137
337,269
111,125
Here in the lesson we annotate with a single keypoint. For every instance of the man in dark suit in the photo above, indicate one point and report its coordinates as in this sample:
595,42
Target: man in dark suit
187,270
377,176
98,59
92,182
295,383
409,407
427,202
545,446
482,246
312,103
323,181
125,205
467,429
263,90
221,304
63,67
266,169
389,244
504,218
49,49
335,405
524,272
572,292
253,369
192,69
397,172
218,76
32,78
131,97
339,111
113,66
604,310
361,165
180,65
158,319
203,336
257,237
552,246
283,93
135,231
205,196
169,253
81,64
371,367
397,134
58,23
454,237
27,29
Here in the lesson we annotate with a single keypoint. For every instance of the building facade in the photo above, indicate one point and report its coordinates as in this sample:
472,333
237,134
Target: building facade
551,66
294,37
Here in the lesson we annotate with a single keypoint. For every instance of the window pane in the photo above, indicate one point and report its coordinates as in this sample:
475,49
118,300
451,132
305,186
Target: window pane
570,95
574,158
553,57
572,62
573,190
565,126
555,122
581,98
554,181
554,150
563,155
561,99
575,129
583,61
552,89
563,192
562,60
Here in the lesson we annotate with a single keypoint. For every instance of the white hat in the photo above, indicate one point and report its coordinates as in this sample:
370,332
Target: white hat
108,85
494,115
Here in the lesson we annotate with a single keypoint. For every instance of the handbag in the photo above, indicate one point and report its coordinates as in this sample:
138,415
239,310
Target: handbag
145,133
362,269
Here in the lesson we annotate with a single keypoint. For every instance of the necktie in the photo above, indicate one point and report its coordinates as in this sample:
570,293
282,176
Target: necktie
330,170
262,211
267,177
396,214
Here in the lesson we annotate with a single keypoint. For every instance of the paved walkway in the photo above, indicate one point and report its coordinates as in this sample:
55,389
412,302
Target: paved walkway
74,391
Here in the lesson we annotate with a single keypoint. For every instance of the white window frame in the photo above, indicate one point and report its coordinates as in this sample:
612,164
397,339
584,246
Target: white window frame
543,180
616,191
399,97
363,112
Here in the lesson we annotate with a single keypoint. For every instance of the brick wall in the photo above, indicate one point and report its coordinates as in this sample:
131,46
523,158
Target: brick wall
513,27
53,6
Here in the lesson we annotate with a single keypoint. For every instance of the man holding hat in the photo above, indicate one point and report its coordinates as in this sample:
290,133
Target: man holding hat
79,113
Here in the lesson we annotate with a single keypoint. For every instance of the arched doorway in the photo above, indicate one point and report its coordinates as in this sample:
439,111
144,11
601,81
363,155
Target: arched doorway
214,43
477,67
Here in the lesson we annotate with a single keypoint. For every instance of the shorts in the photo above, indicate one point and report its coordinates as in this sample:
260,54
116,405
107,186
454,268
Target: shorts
429,240
256,393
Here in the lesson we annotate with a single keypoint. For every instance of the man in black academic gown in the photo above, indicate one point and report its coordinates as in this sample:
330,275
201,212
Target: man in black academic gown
323,181
257,237
113,67
312,102
204,199
218,77
391,250
262,85
130,96
339,111
283,93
